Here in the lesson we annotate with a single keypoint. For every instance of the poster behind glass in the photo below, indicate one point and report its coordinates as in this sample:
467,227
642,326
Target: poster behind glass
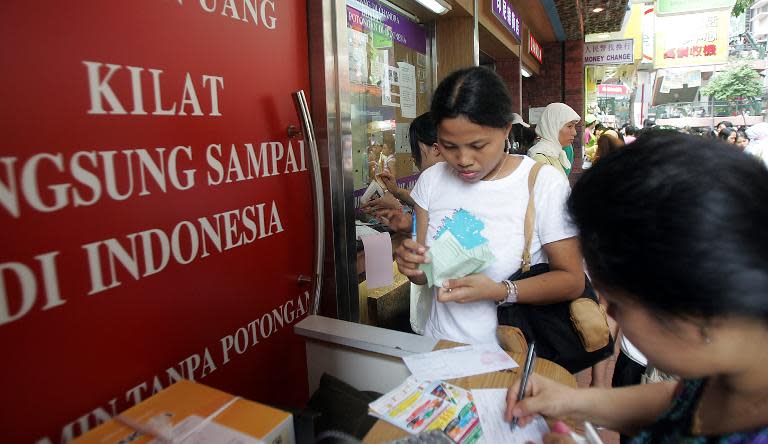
388,88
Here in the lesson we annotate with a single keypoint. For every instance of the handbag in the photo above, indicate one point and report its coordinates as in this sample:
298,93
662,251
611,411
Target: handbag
573,334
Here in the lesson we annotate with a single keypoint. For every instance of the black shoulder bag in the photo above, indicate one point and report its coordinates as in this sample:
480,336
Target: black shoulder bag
573,334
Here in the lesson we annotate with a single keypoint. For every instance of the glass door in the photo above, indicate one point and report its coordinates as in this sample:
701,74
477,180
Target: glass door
389,85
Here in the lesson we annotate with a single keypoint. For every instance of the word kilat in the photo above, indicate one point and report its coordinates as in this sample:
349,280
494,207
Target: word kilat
102,93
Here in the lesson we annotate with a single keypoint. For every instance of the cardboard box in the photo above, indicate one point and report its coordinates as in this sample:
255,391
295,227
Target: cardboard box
195,413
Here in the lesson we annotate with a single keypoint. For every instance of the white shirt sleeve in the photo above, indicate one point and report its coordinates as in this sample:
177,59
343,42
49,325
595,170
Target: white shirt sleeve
421,190
550,195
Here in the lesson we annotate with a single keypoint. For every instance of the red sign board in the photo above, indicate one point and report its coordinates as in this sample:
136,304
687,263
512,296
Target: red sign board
534,48
612,90
153,208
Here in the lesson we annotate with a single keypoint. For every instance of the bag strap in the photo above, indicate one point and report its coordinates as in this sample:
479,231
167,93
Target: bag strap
530,217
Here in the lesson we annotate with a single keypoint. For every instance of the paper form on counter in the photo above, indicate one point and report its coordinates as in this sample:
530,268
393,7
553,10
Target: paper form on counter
459,361
490,404
364,230
378,260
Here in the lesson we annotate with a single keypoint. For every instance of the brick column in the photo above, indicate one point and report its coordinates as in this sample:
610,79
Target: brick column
546,87
509,70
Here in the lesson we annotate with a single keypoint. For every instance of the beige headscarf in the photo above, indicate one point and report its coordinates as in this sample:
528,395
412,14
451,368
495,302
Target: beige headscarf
554,117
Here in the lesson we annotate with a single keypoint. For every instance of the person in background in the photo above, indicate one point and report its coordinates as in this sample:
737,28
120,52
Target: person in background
472,110
742,140
758,141
390,163
609,142
591,148
375,166
727,135
557,129
422,136
522,136
693,301
599,129
569,155
630,134
423,141
590,122
723,124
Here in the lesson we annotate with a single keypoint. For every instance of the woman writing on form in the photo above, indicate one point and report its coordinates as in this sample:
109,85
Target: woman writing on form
668,231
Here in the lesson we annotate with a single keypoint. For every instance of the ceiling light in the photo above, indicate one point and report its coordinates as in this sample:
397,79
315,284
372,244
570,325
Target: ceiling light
524,72
598,10
436,6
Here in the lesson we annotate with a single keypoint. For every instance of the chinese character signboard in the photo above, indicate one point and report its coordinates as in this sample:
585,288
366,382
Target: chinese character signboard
692,39
664,7
534,48
648,25
507,16
614,52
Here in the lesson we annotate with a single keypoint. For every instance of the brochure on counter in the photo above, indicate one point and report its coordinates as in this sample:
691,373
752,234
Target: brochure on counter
415,406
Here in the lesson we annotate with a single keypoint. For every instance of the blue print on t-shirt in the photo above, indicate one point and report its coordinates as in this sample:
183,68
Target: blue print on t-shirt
465,227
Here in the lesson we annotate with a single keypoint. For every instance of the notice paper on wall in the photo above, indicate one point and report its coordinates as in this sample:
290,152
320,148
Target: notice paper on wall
378,260
490,404
402,139
407,89
459,361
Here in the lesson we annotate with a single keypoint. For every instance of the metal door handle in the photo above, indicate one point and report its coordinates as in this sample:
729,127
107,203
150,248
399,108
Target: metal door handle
308,130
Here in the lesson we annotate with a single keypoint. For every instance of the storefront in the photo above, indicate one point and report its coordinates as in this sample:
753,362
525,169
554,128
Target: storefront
372,88
610,75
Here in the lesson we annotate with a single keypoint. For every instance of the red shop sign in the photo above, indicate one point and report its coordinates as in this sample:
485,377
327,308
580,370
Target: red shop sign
612,90
534,48
153,208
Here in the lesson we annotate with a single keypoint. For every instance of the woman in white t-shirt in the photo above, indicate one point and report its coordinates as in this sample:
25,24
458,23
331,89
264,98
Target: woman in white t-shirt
473,113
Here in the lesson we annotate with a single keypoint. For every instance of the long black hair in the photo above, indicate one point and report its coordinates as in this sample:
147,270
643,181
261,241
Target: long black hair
422,129
677,222
476,93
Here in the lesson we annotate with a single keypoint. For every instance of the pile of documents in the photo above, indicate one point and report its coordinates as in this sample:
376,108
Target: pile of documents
425,402
426,405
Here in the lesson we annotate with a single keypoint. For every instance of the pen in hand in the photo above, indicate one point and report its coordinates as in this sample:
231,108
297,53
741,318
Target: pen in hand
527,369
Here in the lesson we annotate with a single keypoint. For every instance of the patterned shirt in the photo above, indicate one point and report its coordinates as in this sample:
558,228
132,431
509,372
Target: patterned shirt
675,426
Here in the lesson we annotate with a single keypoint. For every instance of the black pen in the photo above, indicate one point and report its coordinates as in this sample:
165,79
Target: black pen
527,369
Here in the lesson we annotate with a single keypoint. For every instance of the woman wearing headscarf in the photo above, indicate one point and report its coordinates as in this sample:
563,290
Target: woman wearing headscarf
758,141
557,129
